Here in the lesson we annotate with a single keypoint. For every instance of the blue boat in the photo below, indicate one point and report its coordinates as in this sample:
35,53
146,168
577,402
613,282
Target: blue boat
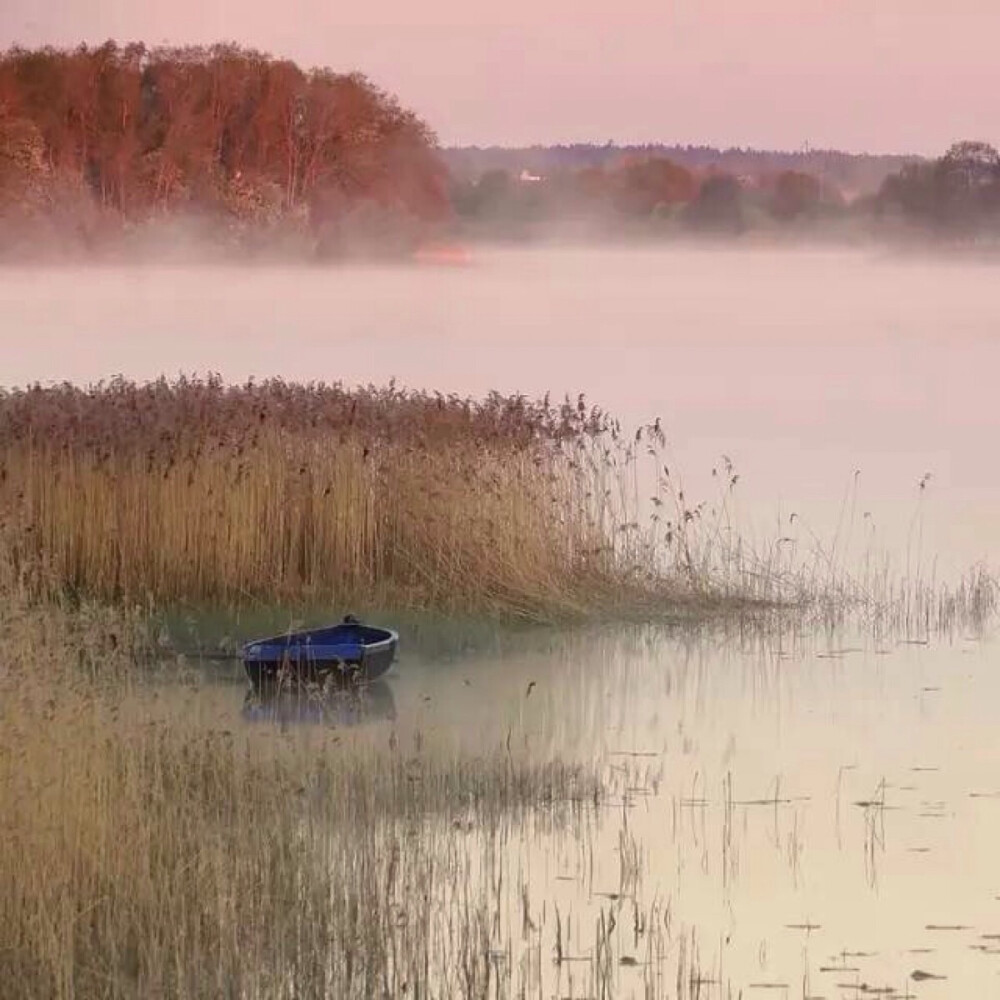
348,653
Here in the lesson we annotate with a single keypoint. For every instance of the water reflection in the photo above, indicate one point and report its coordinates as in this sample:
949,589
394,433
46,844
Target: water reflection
337,708
787,810
815,808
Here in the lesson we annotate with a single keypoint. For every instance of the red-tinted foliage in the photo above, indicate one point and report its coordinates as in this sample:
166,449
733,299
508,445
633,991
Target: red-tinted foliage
150,129
656,181
794,194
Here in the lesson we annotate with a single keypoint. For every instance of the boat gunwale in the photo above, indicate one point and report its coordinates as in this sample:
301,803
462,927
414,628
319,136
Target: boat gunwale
298,646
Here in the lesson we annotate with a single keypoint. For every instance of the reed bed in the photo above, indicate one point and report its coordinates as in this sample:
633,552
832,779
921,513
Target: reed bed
151,849
144,853
196,491
193,491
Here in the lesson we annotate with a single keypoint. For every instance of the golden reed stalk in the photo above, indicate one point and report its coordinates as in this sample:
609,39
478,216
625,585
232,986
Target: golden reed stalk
148,852
197,492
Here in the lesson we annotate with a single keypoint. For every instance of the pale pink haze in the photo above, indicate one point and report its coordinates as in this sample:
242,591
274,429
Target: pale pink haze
877,75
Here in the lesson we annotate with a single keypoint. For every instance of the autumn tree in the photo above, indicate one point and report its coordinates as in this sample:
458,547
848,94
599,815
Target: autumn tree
218,129
971,166
718,207
958,193
642,186
22,164
969,183
795,193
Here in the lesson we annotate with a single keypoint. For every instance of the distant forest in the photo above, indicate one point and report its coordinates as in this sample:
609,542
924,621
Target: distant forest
643,191
123,148
853,173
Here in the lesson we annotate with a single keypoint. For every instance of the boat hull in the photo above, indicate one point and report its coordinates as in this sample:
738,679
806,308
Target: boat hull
343,655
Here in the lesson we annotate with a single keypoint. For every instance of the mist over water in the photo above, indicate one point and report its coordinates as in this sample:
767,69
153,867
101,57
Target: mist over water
834,380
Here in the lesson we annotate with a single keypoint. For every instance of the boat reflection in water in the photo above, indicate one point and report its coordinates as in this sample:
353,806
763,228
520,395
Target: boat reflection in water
338,707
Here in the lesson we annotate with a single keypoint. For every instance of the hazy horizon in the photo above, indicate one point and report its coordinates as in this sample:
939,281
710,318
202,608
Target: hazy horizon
907,78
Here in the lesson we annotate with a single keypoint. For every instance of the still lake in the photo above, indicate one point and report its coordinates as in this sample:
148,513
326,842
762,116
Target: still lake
813,815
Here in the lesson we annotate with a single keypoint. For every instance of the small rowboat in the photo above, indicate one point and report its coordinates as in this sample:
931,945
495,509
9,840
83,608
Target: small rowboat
346,653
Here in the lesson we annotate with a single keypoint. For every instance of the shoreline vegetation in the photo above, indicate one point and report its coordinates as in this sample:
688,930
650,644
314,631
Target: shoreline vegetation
130,153
147,852
195,493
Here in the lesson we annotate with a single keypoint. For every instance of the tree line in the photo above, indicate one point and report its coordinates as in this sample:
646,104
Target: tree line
956,197
853,173
100,141
128,132
642,192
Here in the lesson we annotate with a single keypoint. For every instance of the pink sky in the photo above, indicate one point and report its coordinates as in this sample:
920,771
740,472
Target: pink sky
881,75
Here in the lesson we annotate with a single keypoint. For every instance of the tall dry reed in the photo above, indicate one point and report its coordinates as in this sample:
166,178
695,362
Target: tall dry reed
192,490
145,852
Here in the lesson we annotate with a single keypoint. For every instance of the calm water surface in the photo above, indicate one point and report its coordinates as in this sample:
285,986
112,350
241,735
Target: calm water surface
808,816
811,817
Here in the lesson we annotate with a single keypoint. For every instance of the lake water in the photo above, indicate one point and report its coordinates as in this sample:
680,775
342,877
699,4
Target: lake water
810,815
792,815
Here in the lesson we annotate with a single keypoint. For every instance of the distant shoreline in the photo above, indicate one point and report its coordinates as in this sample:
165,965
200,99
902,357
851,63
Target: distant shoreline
170,242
